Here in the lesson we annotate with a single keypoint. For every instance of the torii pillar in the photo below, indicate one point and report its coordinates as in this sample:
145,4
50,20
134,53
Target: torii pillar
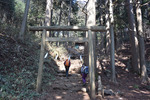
91,16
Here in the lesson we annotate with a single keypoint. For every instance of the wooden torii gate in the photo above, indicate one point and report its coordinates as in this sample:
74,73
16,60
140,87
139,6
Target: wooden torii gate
75,39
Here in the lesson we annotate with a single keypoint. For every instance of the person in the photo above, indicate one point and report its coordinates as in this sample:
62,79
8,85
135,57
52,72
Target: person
67,65
84,72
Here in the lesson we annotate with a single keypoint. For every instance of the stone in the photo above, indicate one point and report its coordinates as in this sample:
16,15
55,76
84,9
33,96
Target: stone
108,92
84,90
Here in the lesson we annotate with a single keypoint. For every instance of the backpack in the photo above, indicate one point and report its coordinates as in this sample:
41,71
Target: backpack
85,69
67,63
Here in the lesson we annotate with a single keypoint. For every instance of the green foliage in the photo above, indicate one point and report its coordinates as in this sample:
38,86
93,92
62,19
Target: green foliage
7,5
11,16
19,6
19,10
145,1
19,85
36,12
18,69
136,86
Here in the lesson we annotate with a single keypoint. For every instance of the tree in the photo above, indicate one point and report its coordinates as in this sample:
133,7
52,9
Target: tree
107,29
48,15
60,17
133,37
7,9
21,34
112,42
141,43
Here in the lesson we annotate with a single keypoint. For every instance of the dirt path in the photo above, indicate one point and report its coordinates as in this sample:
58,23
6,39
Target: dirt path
70,88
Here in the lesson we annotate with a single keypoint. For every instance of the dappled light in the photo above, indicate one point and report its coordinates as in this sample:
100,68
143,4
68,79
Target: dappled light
58,97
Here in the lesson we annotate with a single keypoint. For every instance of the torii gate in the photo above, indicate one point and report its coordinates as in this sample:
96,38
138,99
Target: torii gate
75,39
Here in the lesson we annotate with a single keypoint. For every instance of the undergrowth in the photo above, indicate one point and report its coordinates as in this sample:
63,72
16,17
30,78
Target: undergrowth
19,68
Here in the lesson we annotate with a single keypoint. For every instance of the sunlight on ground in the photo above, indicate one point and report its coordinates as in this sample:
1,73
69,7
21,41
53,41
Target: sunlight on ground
119,63
145,92
120,98
64,92
58,97
135,91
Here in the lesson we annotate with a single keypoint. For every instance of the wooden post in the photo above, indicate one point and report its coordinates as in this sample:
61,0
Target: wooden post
91,66
40,70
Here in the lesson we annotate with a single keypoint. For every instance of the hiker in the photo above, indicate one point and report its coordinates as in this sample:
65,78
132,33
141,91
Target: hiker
84,72
67,64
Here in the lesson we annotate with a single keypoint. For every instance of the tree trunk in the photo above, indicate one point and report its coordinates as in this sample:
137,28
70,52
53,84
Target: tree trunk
101,13
133,38
144,75
69,15
86,51
23,26
112,42
48,15
48,20
107,50
52,33
59,20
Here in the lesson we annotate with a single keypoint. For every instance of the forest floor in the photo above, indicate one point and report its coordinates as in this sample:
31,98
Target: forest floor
70,88
127,87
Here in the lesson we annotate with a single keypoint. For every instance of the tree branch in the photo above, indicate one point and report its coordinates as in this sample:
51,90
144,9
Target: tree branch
145,4
83,7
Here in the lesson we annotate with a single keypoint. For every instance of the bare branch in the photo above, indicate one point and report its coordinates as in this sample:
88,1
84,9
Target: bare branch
83,7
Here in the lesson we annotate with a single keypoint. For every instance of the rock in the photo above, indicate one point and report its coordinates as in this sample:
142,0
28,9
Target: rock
119,93
56,86
127,69
68,85
60,71
108,92
84,90
74,84
61,75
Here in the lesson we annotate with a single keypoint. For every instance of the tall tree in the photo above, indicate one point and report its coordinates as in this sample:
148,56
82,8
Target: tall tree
48,15
107,28
86,51
60,17
133,37
23,26
69,17
141,43
112,41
